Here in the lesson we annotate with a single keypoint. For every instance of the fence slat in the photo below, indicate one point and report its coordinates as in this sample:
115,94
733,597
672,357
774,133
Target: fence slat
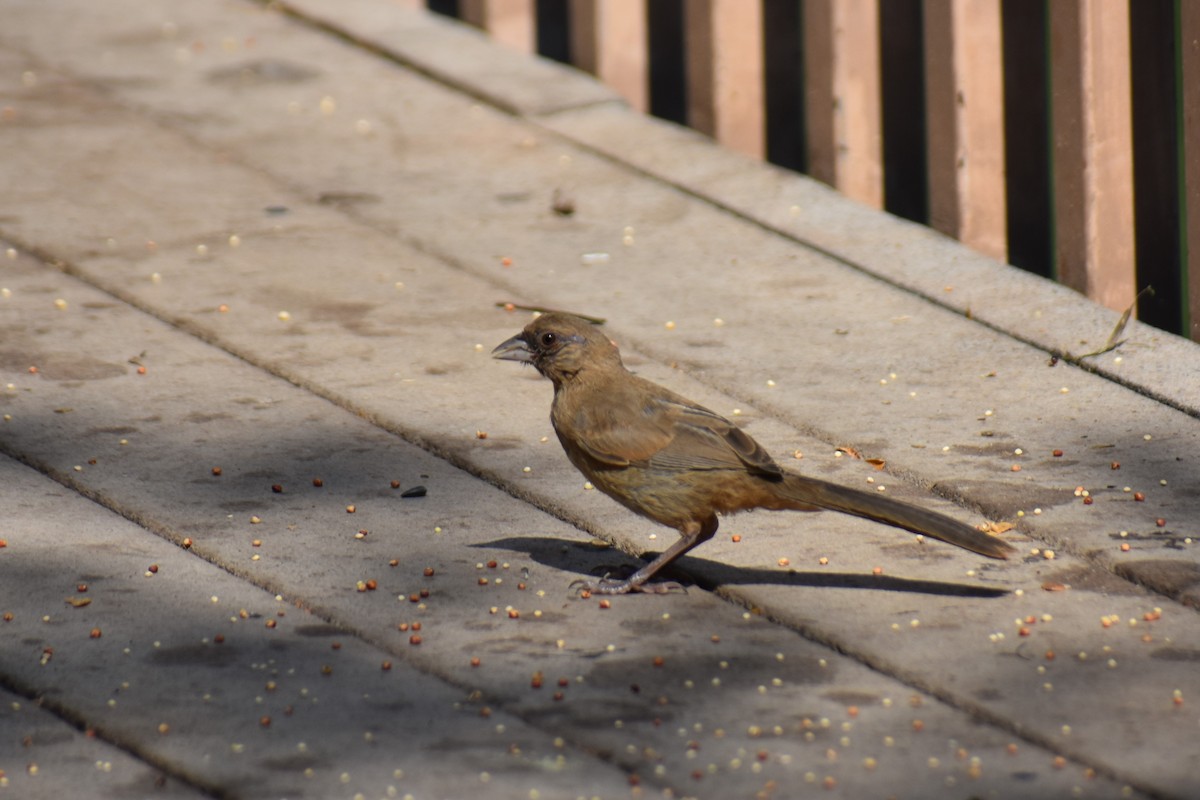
1189,39
964,106
1093,148
609,38
725,72
842,96
510,22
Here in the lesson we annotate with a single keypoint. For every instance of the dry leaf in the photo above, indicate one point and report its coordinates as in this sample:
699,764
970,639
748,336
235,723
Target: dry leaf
79,602
877,463
848,450
1051,586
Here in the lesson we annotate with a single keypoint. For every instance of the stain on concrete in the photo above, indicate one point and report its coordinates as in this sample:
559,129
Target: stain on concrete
265,72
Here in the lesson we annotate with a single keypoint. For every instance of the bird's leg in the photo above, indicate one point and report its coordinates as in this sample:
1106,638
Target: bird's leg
690,535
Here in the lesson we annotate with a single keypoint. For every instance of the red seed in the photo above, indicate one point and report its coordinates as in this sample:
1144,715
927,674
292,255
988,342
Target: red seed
264,722
216,471
219,638
414,639
416,626
372,585
1115,465
81,588
427,572
1138,496
187,543
395,484
1058,453
351,509
395,562
424,593
95,634
271,623
385,666
152,569
1087,501
415,597
475,662
605,604
1160,522
317,482
658,661
402,626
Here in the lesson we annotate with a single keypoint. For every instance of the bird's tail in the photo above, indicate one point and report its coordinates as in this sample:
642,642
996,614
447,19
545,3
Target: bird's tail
809,492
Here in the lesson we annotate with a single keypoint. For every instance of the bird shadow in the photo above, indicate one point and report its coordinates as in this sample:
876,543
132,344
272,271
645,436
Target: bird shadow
583,557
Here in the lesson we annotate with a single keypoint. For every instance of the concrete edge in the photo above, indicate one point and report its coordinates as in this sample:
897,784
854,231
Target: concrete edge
558,98
454,54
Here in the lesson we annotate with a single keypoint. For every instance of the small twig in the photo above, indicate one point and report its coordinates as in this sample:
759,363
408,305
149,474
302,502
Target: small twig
541,310
1114,340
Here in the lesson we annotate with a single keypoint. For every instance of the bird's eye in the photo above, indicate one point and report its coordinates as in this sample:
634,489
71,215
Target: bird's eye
548,339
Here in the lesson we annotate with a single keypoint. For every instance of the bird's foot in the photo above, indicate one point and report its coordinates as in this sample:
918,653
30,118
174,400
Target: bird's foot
583,588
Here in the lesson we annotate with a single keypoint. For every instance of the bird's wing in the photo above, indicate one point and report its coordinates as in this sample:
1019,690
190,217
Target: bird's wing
667,431
706,440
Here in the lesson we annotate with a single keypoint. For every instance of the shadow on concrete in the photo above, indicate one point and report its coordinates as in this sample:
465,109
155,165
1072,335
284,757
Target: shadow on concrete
565,554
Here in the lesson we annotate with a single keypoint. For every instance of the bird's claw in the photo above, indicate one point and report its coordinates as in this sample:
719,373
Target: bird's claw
608,586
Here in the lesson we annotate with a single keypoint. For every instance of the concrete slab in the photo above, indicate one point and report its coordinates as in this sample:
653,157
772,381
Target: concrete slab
318,237
41,755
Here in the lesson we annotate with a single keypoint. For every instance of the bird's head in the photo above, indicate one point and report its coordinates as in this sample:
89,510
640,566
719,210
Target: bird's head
560,346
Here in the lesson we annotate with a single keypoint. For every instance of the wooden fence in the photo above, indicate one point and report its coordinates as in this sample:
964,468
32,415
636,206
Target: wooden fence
1062,136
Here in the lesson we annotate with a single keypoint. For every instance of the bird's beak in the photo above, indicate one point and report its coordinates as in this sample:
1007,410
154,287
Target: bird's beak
514,349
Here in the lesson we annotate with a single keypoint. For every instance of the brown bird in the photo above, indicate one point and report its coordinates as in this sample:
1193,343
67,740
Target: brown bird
666,458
